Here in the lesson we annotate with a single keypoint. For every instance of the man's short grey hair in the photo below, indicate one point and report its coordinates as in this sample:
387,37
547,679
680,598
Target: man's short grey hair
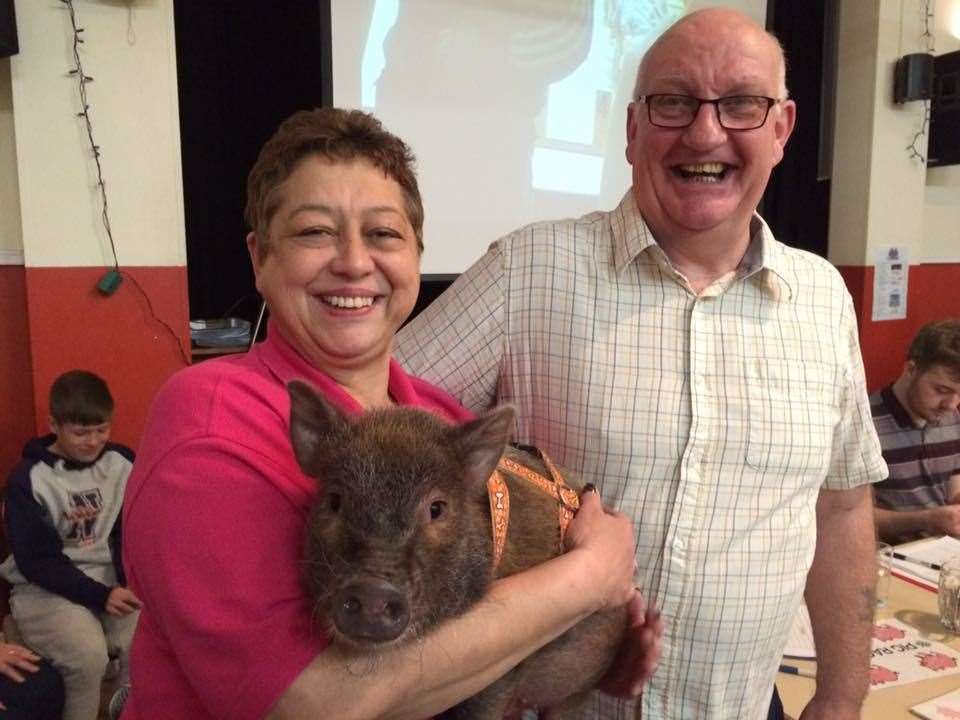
782,94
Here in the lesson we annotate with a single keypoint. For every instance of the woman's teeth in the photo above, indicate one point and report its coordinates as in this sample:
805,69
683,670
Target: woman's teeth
341,301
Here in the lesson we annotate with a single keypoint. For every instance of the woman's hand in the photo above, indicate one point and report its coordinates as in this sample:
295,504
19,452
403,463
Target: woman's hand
605,538
14,659
639,651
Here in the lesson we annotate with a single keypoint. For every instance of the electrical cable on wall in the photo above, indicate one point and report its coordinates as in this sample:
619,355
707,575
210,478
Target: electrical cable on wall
929,40
111,280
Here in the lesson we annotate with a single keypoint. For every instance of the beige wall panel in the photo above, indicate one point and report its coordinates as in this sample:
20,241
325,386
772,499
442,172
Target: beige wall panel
130,52
11,244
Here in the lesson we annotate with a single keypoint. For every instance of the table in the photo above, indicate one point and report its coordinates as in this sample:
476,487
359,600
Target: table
911,605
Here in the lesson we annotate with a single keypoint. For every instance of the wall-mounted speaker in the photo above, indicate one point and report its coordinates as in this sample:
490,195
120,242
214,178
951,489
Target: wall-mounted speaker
8,29
913,78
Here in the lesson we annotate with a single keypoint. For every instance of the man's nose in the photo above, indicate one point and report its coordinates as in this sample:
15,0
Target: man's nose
705,131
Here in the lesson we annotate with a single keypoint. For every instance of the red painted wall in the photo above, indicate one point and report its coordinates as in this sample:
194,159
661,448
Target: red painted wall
121,337
17,419
933,293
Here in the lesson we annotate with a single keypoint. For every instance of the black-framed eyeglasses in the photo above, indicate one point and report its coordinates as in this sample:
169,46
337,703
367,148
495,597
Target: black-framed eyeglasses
735,112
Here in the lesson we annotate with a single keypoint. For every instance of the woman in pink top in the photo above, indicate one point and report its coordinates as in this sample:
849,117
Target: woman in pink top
216,506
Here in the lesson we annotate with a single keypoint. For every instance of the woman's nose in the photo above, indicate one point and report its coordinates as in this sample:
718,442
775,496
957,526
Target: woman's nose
353,256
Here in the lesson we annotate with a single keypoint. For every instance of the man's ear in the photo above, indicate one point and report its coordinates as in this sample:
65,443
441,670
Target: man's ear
481,442
632,123
910,368
315,425
783,124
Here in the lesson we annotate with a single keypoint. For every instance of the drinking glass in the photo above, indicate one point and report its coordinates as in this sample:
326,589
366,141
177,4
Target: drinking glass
948,594
884,564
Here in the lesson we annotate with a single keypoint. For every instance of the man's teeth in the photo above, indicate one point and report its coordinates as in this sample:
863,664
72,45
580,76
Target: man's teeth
703,172
713,168
341,301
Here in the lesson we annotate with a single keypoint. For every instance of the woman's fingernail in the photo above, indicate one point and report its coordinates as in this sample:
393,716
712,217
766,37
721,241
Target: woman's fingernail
589,487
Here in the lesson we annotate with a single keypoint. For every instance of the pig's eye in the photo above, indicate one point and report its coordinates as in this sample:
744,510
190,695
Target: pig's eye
333,502
437,508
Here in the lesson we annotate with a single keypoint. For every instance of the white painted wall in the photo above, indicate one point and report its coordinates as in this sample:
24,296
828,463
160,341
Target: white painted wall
11,244
129,50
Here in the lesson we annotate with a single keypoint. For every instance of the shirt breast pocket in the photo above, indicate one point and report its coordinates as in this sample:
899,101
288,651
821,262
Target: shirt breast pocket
793,410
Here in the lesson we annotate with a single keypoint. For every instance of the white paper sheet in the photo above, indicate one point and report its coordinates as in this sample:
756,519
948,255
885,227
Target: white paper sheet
934,550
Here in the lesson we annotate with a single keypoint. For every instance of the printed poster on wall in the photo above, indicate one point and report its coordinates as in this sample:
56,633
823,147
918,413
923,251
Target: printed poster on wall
890,272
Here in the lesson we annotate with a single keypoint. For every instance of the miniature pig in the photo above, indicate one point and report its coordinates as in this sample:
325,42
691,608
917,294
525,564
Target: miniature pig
400,539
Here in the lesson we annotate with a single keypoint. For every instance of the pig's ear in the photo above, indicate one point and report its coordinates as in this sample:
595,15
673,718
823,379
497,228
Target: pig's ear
481,442
314,424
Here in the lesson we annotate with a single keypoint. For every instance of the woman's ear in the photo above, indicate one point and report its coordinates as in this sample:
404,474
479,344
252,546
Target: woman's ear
255,248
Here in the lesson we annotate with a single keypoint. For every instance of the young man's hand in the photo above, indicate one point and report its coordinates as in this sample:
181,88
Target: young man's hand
122,602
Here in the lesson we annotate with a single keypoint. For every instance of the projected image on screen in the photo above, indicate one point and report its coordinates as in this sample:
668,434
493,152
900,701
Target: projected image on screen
516,109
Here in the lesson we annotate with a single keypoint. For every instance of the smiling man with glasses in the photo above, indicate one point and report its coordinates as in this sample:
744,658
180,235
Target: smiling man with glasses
705,377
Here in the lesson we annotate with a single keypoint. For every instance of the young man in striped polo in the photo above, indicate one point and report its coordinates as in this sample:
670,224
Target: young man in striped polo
919,428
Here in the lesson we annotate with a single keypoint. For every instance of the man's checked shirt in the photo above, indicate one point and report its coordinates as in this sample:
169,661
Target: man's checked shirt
713,420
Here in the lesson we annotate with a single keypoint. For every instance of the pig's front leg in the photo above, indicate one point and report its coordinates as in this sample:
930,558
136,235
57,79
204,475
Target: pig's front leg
491,703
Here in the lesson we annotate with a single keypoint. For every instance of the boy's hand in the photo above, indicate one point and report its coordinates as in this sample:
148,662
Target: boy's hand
122,602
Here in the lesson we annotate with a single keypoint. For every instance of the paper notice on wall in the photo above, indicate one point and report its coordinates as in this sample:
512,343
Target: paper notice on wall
890,272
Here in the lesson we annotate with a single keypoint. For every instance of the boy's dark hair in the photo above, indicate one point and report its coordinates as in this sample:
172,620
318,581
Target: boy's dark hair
336,136
937,343
80,397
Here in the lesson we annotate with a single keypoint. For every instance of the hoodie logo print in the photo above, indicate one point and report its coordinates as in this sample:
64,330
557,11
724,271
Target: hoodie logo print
85,509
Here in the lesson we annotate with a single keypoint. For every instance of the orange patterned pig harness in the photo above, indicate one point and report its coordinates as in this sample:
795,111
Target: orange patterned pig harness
499,494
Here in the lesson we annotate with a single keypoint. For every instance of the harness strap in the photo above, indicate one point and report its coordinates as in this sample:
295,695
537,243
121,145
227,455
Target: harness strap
499,495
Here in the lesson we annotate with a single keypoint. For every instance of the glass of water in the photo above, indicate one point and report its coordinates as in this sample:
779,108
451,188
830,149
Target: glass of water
948,594
884,564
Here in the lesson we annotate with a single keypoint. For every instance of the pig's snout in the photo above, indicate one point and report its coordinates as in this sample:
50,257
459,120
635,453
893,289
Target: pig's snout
371,610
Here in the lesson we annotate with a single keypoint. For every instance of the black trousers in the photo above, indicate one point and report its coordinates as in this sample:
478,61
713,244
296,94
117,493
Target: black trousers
776,707
39,697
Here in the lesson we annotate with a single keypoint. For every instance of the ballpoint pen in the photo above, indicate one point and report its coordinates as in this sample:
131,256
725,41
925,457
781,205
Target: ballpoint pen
791,670
916,561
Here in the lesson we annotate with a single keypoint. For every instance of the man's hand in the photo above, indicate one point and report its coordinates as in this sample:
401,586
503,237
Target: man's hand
122,602
639,651
824,709
945,520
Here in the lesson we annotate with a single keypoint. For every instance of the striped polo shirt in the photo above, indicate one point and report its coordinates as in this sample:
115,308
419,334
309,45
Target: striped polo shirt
921,458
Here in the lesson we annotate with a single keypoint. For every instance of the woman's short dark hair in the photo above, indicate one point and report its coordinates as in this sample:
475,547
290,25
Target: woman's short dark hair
336,135
80,397
937,343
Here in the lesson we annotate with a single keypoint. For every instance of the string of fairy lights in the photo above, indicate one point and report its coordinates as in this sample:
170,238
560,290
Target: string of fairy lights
929,41
112,280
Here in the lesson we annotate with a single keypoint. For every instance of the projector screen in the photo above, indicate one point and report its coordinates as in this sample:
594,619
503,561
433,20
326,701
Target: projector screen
515,109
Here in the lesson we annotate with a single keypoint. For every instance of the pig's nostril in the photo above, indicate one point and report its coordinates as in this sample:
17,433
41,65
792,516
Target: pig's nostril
394,610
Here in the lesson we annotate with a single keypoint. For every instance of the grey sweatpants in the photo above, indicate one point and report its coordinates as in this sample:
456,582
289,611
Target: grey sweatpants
77,642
